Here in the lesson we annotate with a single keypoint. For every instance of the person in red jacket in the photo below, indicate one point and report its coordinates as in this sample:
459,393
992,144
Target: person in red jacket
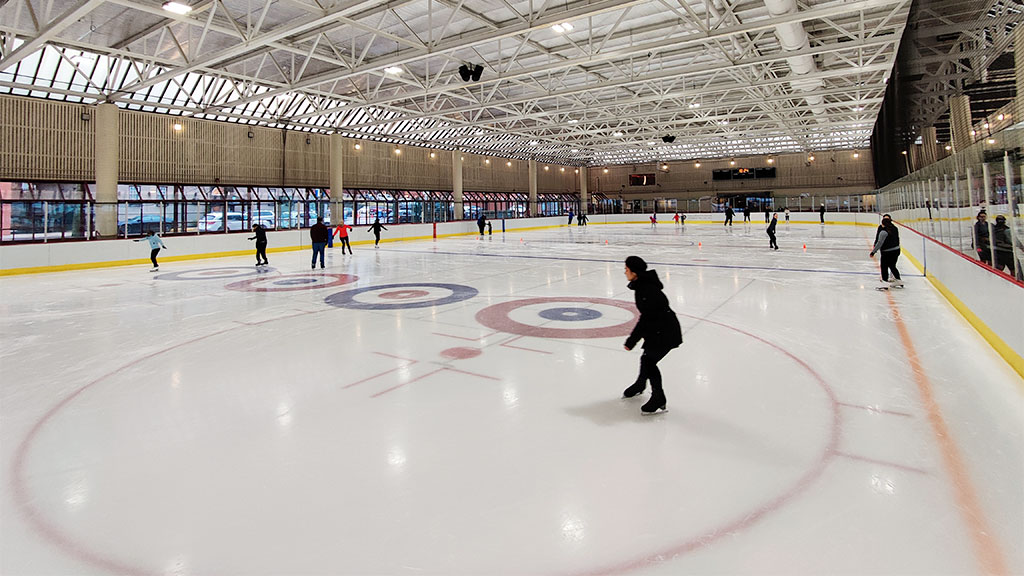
342,233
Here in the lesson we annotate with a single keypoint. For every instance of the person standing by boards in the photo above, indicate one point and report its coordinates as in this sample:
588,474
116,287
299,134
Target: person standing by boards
658,327
318,235
772,243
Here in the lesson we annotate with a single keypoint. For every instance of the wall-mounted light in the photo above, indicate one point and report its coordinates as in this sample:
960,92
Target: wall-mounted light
696,164
433,155
309,140
985,125
664,166
771,160
991,140
732,162
546,168
85,116
974,132
398,151
487,161
250,134
509,163
605,170
358,146
856,154
904,152
948,147
577,171
176,126
563,169
810,158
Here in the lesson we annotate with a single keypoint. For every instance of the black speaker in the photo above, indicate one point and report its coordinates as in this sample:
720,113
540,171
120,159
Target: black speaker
465,73
477,71
668,139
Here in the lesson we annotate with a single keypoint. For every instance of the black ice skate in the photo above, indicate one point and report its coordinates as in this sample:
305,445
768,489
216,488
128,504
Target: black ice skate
635,390
655,405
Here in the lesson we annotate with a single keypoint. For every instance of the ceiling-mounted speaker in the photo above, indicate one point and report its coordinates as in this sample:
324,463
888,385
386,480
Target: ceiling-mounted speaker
477,71
668,139
465,73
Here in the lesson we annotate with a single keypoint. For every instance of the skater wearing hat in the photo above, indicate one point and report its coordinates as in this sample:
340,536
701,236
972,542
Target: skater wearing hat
887,241
658,327
1003,242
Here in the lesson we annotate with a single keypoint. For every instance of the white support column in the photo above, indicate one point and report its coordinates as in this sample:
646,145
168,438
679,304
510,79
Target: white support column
457,183
336,166
583,190
533,187
106,169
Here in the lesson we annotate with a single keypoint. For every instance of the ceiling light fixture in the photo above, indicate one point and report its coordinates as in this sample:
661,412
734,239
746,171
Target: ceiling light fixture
616,133
573,121
991,140
1000,117
177,7
393,70
562,27
948,147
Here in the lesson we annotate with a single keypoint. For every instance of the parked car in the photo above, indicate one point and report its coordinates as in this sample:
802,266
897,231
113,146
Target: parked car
367,214
264,218
143,224
214,222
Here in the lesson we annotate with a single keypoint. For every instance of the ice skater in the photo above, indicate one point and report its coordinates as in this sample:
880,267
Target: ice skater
570,217
342,231
376,227
481,223
767,216
583,220
887,241
676,218
318,235
771,233
658,327
728,215
261,244
821,212
155,244
654,221
746,213
787,215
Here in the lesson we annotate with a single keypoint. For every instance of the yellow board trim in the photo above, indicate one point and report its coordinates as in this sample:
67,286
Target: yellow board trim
998,344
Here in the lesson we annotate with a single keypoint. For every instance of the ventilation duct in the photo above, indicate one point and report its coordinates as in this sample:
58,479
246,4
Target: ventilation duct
792,37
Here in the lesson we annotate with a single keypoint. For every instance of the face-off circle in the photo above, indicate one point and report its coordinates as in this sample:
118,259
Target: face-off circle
401,296
210,273
547,317
292,282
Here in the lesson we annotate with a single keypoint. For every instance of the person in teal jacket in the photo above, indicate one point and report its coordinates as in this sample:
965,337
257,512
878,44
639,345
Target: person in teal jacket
155,244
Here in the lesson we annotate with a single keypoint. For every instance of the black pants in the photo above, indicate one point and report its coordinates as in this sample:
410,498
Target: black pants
344,243
376,238
649,368
261,252
152,256
771,241
1005,259
985,255
728,220
889,263
481,227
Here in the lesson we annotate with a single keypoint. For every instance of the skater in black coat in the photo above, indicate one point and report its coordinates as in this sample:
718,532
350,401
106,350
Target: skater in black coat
728,216
658,327
376,227
887,241
771,233
261,243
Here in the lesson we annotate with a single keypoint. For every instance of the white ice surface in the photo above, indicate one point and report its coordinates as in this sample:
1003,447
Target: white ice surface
160,426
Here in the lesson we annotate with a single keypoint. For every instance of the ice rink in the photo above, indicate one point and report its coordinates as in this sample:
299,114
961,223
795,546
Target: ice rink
454,407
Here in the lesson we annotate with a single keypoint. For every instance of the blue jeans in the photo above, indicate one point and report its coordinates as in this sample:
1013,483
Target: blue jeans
318,248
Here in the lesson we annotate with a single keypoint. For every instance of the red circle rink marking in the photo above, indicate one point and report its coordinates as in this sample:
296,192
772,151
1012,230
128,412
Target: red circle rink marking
460,353
403,294
35,518
496,317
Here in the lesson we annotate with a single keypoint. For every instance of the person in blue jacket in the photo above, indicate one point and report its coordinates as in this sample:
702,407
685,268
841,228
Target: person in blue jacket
155,244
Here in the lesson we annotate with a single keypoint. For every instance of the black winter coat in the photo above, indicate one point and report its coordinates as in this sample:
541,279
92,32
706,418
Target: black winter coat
658,326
